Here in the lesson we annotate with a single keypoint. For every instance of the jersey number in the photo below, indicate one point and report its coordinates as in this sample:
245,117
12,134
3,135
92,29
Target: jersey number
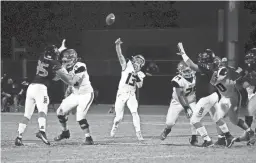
221,87
41,71
130,80
189,90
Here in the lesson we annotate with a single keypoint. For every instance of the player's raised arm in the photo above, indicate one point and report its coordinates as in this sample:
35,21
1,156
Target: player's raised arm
186,59
120,56
63,46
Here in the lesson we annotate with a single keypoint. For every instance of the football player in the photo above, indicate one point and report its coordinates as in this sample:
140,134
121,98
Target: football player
249,82
183,98
207,62
47,68
131,78
80,97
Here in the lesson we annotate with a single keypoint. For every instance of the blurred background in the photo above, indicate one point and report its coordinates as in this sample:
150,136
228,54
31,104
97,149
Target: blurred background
149,28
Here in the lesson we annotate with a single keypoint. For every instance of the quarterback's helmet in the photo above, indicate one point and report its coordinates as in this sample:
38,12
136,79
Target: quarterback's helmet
138,62
51,52
69,58
184,70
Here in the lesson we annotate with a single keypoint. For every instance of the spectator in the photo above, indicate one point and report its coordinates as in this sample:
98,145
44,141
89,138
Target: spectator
22,94
7,94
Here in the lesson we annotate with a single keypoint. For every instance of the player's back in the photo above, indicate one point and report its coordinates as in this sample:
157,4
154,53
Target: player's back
45,70
85,87
128,79
187,86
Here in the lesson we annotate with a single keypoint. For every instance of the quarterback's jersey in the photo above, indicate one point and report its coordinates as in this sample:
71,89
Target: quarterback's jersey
80,70
128,79
223,81
188,88
46,70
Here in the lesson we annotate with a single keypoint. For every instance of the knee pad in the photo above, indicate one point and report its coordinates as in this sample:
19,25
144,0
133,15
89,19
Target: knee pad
83,124
63,118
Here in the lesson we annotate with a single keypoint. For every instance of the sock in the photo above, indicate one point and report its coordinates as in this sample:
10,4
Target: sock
242,124
193,130
21,129
248,120
64,126
87,135
202,131
42,123
249,129
136,121
224,128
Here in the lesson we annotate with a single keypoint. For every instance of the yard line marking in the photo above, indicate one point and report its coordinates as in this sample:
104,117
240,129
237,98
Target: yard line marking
132,157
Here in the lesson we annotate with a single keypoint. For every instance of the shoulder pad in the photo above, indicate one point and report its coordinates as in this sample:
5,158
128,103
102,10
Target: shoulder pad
79,67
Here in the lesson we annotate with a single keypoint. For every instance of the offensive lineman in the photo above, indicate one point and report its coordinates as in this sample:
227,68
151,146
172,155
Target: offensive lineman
47,69
183,97
131,78
80,97
207,62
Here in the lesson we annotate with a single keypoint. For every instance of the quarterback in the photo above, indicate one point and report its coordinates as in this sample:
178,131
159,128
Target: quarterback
131,78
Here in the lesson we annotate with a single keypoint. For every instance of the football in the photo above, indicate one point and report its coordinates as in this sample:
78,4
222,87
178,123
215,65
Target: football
110,19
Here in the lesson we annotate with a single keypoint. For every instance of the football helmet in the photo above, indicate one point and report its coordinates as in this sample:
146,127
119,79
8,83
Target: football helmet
184,70
209,59
250,57
69,58
51,52
138,62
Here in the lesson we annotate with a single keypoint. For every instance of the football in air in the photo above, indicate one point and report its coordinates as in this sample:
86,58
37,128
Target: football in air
110,19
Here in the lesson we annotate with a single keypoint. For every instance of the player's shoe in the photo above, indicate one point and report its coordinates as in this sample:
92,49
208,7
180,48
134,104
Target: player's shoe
41,135
207,143
244,137
221,141
165,133
139,136
230,140
18,142
63,135
89,141
113,131
194,141
252,138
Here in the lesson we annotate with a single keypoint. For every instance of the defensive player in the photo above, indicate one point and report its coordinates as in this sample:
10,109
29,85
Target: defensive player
131,78
47,68
183,98
206,64
80,97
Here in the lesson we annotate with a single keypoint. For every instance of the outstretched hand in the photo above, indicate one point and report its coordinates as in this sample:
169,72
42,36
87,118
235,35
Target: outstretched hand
118,41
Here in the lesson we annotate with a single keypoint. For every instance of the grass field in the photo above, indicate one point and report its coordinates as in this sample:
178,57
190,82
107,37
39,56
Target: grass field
123,148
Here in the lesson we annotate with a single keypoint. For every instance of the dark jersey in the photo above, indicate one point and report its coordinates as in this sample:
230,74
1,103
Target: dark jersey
46,70
203,86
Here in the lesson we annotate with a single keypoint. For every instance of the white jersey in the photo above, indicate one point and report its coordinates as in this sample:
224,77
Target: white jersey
221,80
187,87
128,79
80,70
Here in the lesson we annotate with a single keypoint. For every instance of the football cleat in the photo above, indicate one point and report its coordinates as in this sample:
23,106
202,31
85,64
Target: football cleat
41,135
165,133
18,142
252,137
230,140
207,143
139,136
63,135
194,141
244,137
221,141
89,141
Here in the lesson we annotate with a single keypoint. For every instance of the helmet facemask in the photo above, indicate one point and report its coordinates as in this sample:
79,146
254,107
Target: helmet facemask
138,62
69,58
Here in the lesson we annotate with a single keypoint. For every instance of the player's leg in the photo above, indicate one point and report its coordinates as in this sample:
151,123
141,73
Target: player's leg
65,107
42,101
252,102
202,108
132,104
29,109
121,100
172,115
84,104
194,139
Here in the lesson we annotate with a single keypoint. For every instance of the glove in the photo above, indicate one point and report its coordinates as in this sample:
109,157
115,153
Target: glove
188,111
151,69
